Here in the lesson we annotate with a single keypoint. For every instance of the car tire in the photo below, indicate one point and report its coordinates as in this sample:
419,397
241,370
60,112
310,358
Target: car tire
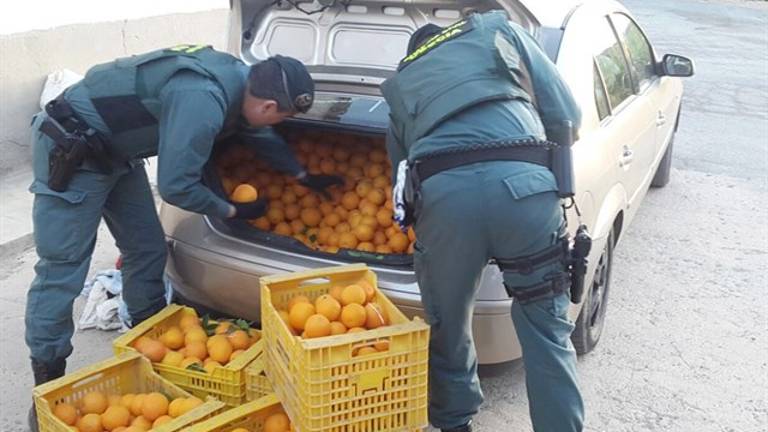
591,321
661,178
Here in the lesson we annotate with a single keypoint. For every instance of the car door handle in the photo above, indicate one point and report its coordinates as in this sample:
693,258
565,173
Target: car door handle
626,157
661,119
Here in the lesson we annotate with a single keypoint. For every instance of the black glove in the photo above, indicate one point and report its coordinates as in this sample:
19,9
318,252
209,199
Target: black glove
320,182
251,210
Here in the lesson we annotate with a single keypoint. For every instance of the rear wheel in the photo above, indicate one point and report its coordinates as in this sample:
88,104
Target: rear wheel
591,320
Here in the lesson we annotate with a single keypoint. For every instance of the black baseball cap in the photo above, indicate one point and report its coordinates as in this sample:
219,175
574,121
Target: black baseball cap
298,86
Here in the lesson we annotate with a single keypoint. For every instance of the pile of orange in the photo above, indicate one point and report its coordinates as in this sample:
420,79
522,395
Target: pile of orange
99,412
278,422
191,346
344,309
358,216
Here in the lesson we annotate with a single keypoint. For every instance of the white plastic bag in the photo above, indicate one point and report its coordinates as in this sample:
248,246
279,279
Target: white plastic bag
57,82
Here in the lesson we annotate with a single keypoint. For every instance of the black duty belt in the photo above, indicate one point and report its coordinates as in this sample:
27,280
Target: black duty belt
531,151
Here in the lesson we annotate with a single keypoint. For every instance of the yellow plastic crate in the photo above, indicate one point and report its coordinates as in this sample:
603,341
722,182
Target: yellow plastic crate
127,373
251,416
226,383
323,387
257,384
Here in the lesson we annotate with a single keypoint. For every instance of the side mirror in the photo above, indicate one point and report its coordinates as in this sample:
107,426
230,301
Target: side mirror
677,66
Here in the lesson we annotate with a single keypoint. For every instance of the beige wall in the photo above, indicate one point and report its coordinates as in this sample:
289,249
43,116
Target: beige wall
27,58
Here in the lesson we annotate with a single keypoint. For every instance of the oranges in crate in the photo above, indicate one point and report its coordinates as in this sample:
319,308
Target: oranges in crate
100,412
198,344
358,216
344,309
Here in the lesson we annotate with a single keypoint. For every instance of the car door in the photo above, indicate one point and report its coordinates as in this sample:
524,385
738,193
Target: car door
657,90
630,119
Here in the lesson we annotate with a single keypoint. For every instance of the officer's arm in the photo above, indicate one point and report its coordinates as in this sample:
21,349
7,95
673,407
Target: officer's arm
555,101
271,147
192,114
395,150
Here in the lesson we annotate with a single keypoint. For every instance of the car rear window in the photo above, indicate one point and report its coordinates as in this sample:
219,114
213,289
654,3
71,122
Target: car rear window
348,110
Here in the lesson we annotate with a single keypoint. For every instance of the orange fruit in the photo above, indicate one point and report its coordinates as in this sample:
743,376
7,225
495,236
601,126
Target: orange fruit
392,231
209,367
353,315
381,182
132,429
94,403
338,328
328,166
377,197
126,400
332,220
336,291
363,188
189,404
411,234
379,238
384,217
173,338
364,232
374,170
309,201
284,316
324,234
347,240
275,215
328,306
368,288
299,314
350,200
289,197
374,316
188,321
278,422
384,249
300,190
297,227
66,413
358,160
244,193
220,350
342,228
161,420
140,342
340,153
136,404
311,216
355,172
381,346
333,241
197,349
141,423
174,408
366,247
235,353
355,330
261,223
115,417
276,204
296,300
274,191
114,400
326,208
378,156
366,350
239,340
172,358
368,208
196,334
370,221
90,423
283,228
317,326
353,294
292,211
398,242
155,405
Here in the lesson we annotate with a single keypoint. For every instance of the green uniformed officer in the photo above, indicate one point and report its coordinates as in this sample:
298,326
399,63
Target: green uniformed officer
478,88
173,103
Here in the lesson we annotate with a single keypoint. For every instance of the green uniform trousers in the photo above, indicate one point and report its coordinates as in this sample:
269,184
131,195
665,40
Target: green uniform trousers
469,215
65,226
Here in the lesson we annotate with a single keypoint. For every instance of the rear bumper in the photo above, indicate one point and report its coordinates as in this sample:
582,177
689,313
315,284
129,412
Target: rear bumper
230,284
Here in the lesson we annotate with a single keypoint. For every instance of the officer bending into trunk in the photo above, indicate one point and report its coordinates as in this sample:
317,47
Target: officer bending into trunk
88,150
471,107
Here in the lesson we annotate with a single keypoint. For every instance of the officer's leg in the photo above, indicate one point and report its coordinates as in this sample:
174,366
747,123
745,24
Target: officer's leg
132,218
534,220
451,253
65,226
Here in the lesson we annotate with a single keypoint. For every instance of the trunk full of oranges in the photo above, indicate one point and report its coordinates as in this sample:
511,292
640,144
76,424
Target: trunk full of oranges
358,216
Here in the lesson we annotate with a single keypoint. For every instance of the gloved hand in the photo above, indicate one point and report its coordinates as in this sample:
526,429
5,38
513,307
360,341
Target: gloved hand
320,182
250,210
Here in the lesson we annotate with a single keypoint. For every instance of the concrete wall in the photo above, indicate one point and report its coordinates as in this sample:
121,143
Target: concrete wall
27,58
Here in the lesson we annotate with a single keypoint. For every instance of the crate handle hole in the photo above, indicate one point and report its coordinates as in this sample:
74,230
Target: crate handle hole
314,281
87,381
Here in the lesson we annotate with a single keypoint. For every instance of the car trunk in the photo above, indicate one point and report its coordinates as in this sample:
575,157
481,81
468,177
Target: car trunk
341,135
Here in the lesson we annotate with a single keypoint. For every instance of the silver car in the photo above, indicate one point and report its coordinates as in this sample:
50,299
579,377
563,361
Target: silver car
629,95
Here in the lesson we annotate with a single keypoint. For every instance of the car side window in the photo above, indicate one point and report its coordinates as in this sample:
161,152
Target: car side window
640,53
601,99
612,64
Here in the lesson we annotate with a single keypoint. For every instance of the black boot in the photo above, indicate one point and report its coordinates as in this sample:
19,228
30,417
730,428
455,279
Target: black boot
44,372
466,428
